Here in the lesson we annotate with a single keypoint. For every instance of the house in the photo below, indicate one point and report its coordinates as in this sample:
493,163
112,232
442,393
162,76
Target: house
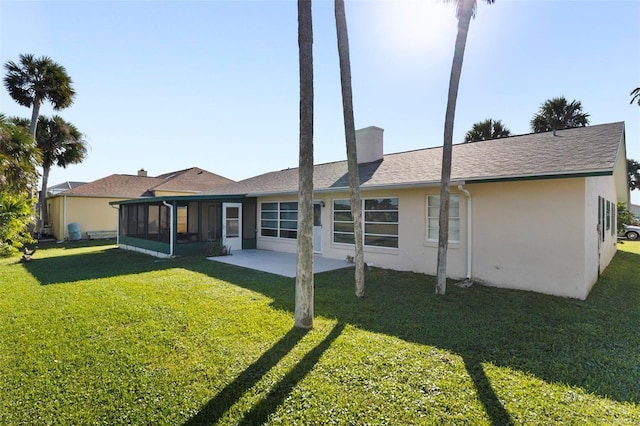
88,205
635,210
533,212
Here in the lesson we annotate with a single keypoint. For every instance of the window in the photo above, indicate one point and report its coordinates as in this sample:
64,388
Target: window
433,218
279,220
380,222
181,215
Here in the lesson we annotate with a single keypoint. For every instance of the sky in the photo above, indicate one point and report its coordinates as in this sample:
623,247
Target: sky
168,85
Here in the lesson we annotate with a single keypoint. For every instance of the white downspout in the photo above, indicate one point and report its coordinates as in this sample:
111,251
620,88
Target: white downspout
117,225
170,227
469,236
64,219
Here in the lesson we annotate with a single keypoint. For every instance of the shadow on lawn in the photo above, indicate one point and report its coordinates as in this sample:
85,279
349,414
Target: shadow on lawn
109,262
215,409
592,344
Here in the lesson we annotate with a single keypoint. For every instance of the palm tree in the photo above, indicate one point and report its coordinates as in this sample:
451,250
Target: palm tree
18,158
34,80
61,144
350,139
465,10
635,95
558,114
486,130
304,264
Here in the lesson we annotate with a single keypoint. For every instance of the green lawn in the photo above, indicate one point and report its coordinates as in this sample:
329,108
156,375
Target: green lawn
90,334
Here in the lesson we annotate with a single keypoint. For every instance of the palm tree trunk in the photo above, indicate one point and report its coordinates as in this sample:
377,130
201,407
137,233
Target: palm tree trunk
454,82
350,138
304,265
43,196
35,112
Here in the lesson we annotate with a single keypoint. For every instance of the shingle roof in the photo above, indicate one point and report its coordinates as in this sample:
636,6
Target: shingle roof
584,150
193,180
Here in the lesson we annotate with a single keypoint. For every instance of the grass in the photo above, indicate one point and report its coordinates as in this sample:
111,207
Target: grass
90,334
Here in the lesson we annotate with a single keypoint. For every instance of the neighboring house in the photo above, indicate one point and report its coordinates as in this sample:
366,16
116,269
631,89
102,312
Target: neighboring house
533,212
61,187
88,205
635,210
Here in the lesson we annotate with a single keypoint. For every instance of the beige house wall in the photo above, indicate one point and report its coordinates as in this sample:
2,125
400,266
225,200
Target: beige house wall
92,214
414,253
529,235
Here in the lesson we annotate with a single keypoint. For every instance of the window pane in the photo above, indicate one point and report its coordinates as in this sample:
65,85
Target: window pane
381,216
381,228
381,241
288,234
233,228
270,224
343,238
269,215
269,232
343,216
381,204
343,227
269,206
288,224
342,205
289,215
289,206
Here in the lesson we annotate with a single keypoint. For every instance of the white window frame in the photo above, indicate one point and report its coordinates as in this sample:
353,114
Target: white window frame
279,219
365,222
433,218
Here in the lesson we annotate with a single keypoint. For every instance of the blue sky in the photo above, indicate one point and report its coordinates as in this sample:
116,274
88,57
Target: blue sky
167,85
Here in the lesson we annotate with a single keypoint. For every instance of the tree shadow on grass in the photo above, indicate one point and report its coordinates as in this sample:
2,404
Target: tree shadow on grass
592,344
215,409
106,263
226,398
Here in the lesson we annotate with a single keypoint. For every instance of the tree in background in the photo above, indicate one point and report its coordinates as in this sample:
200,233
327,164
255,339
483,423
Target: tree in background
60,144
633,174
304,264
558,114
18,158
465,10
350,139
486,130
34,80
16,212
635,95
624,217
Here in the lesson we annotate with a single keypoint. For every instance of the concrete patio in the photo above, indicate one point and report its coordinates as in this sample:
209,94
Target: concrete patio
278,263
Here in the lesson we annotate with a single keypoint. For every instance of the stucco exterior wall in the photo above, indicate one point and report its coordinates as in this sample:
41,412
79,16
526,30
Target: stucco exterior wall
414,252
598,253
530,235
92,214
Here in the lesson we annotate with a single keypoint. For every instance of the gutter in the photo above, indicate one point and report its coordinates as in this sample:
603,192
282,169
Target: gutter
469,231
170,227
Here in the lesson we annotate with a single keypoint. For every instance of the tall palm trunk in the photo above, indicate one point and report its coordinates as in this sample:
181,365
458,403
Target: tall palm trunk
35,113
43,196
304,265
466,11
350,138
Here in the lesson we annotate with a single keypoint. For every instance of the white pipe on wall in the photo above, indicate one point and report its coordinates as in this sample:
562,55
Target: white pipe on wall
170,227
469,230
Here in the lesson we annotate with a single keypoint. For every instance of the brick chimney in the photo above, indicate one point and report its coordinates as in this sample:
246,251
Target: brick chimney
142,173
369,144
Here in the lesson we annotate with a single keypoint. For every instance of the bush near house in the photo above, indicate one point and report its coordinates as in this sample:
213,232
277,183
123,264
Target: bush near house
92,334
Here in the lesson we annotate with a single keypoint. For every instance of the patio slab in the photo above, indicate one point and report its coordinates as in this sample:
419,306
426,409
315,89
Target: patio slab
278,263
